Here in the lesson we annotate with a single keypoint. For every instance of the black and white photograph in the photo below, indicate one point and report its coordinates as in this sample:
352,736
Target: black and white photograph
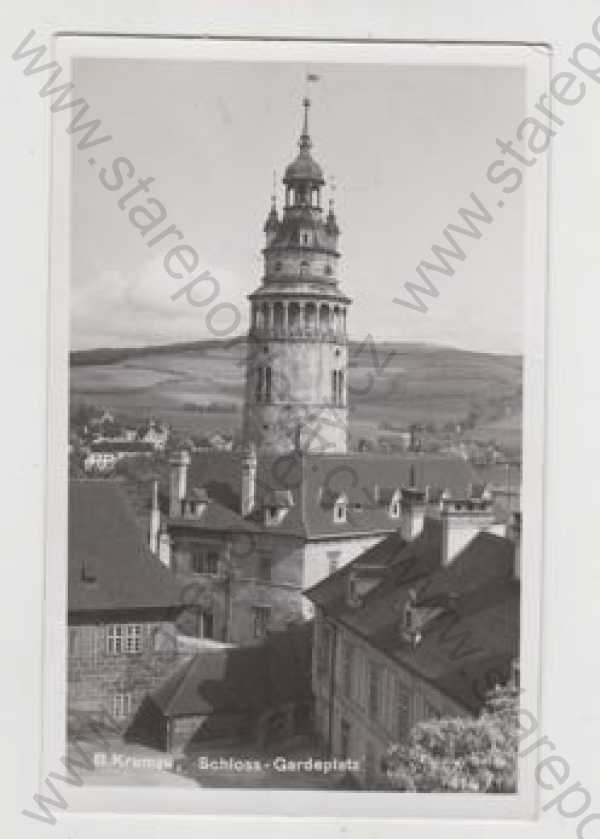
298,311
300,341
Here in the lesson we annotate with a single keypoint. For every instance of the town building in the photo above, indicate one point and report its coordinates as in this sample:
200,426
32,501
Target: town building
123,606
422,625
156,434
103,455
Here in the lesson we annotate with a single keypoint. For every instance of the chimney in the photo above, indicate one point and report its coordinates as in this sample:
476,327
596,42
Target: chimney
462,519
249,468
513,532
413,507
178,483
154,520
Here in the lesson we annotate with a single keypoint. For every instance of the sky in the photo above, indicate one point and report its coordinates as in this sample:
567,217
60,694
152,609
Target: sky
406,145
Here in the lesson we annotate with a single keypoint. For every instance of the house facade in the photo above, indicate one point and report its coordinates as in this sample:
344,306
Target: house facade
123,606
419,627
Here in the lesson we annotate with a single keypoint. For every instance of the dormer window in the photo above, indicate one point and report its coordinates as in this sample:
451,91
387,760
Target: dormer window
274,515
340,509
394,505
276,507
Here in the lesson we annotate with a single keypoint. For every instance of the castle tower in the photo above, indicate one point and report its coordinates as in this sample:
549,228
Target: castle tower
297,365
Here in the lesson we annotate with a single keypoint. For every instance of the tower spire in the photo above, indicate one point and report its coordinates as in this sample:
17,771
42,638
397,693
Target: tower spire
305,141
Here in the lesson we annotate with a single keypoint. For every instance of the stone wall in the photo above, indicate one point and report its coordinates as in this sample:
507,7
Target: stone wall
95,676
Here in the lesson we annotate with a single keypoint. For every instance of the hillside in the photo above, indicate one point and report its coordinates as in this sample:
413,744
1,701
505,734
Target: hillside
199,386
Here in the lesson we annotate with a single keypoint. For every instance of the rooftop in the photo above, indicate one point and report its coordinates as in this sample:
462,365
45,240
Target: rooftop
241,679
474,603
110,564
309,480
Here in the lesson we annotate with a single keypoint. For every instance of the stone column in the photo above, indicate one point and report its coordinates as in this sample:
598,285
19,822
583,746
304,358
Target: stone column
285,318
271,317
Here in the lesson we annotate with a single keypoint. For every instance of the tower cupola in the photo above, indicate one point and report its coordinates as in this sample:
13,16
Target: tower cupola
304,177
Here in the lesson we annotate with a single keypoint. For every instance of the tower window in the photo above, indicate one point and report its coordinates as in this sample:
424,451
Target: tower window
334,385
268,377
340,387
259,383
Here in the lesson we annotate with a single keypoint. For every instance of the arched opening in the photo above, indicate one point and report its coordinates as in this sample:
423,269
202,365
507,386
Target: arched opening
268,382
334,386
310,317
278,317
340,400
300,195
324,318
336,319
294,317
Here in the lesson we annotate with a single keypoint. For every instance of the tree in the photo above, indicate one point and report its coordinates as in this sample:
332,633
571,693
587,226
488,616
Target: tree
461,754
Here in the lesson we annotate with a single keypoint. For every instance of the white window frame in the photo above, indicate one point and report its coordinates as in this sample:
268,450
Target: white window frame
114,639
124,638
121,705
340,510
133,638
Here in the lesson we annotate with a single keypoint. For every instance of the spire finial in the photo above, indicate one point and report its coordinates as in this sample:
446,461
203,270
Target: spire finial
274,193
305,142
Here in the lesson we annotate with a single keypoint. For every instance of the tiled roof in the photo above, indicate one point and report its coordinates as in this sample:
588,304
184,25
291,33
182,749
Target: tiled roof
313,478
110,566
477,629
241,679
216,517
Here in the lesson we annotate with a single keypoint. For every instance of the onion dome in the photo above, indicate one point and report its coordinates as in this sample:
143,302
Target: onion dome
304,168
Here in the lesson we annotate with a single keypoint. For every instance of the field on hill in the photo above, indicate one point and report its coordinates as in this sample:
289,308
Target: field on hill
199,388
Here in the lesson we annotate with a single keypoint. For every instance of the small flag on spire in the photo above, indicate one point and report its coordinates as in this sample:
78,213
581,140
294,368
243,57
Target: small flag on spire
312,77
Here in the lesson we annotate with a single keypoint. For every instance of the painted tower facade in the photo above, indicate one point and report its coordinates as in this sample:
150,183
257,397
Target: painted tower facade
297,365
